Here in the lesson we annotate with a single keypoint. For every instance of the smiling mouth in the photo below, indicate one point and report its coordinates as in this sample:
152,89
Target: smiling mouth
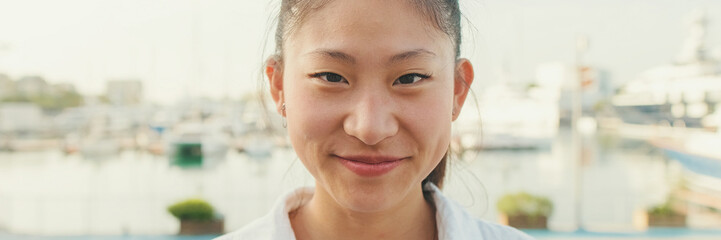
370,166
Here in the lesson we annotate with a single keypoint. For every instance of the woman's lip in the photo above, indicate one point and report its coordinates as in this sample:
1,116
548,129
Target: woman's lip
371,159
370,166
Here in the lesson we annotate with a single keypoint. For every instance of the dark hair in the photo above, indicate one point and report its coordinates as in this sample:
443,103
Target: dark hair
445,14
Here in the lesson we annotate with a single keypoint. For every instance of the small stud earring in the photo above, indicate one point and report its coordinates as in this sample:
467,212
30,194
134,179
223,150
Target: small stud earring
282,109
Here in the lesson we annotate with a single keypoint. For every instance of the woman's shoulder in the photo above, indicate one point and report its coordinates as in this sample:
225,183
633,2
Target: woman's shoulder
275,224
497,231
454,222
457,223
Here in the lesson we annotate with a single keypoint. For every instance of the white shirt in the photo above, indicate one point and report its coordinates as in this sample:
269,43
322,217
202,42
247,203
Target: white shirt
452,220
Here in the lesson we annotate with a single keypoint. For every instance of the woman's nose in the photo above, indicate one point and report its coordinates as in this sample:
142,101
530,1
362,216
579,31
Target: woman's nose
372,118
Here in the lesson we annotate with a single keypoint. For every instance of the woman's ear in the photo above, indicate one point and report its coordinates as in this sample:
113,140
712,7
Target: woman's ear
274,72
461,85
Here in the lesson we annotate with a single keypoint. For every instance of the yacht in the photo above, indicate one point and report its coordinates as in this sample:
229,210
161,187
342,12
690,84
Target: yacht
684,93
509,117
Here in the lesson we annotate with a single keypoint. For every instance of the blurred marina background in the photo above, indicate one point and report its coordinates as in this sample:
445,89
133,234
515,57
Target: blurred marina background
112,111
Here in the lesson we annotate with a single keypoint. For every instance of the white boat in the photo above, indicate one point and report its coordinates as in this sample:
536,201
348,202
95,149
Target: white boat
510,118
258,145
684,93
698,152
194,143
99,148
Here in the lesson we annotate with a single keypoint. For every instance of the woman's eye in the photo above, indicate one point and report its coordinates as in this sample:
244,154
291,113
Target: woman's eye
329,77
410,78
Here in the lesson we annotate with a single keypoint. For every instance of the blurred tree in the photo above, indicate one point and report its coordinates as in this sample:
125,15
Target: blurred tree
50,102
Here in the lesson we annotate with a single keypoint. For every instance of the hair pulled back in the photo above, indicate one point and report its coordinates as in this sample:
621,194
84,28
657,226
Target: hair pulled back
444,14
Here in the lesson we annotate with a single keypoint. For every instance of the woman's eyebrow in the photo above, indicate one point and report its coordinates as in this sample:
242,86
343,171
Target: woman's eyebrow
420,52
344,57
334,54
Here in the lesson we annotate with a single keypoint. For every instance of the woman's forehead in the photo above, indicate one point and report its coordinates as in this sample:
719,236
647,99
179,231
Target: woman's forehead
357,27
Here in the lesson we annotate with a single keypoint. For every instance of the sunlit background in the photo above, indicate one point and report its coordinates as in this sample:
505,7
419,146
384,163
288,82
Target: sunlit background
598,119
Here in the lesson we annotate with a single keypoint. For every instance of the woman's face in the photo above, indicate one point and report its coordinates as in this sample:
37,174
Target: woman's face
369,92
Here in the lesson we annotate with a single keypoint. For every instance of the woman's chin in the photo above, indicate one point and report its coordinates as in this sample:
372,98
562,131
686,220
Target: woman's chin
369,205
368,198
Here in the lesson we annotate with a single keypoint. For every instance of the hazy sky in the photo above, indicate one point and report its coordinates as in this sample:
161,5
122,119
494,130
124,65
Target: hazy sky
213,47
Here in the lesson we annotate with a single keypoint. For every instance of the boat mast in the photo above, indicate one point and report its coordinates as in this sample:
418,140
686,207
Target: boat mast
693,49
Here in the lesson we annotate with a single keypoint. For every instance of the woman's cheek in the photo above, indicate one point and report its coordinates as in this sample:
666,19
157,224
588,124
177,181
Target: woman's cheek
312,119
314,115
429,113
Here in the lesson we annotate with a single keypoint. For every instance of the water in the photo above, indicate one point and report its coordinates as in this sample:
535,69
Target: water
603,189
49,193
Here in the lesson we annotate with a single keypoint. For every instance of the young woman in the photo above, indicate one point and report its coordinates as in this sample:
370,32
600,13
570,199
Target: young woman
369,90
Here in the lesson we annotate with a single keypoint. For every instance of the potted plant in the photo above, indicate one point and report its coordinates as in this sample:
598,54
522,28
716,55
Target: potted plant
523,210
664,215
197,217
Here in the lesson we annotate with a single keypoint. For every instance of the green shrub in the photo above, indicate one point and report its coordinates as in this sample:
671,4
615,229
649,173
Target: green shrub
525,204
192,209
663,210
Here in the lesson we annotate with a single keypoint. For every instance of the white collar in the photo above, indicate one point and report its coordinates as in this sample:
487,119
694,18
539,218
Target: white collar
452,220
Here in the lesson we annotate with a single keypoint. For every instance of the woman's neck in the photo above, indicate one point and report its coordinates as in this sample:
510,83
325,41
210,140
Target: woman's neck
323,218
